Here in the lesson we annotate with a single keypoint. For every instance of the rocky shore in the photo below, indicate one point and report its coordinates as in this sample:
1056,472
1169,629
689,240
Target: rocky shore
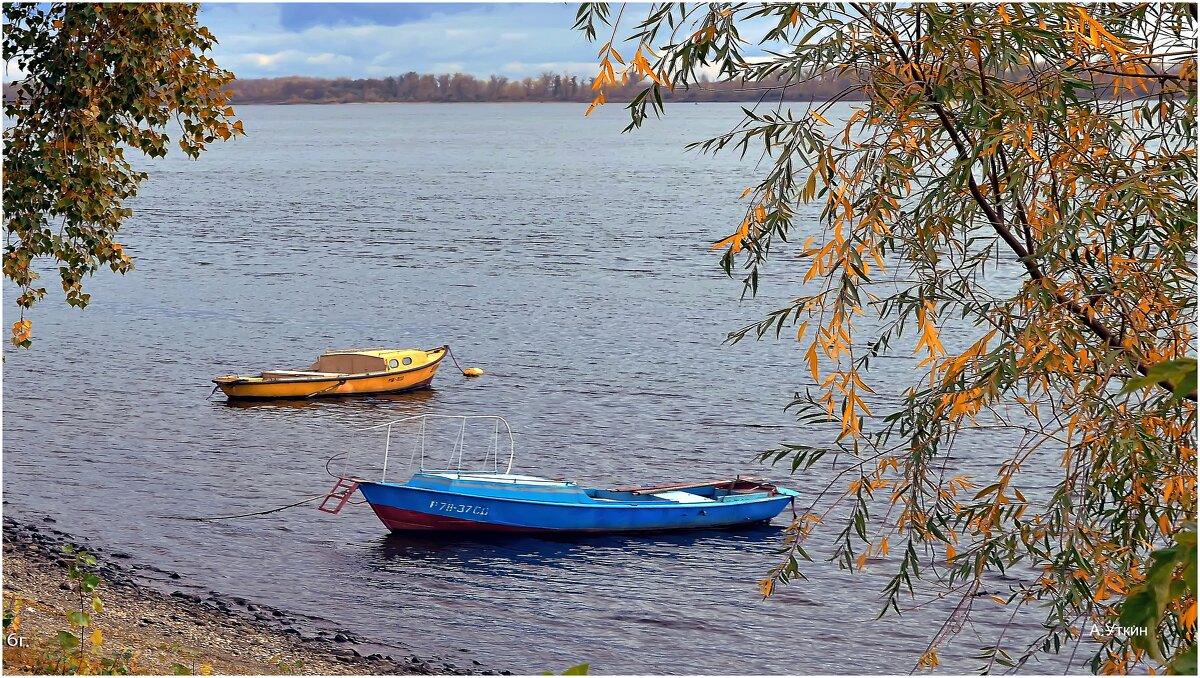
173,629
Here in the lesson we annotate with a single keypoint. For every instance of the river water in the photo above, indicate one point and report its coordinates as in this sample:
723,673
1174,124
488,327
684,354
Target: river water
569,261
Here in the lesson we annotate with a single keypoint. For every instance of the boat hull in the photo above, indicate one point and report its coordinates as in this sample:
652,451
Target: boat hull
408,509
399,381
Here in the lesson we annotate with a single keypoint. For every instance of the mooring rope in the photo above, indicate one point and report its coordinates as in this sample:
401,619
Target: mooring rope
273,510
469,372
246,515
452,358
331,460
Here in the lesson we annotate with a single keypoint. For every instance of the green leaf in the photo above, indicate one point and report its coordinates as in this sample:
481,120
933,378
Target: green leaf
577,670
67,641
79,618
1179,374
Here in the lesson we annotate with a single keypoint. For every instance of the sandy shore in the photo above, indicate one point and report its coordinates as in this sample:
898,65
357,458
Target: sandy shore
173,629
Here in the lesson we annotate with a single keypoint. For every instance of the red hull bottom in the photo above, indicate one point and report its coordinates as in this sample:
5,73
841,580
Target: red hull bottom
399,520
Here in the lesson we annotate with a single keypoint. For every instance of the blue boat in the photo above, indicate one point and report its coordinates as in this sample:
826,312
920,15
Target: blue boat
495,500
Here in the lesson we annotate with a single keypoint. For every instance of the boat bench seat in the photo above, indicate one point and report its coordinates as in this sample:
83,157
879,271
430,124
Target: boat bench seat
284,374
684,497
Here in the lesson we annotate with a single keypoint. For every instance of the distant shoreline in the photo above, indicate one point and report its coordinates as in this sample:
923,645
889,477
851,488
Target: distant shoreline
548,87
460,88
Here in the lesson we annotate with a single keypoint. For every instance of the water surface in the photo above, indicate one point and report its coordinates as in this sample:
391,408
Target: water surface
570,262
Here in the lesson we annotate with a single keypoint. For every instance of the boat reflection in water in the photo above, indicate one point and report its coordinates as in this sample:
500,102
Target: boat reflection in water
529,557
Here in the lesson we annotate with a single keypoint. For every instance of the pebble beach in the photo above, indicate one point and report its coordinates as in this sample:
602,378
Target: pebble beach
173,629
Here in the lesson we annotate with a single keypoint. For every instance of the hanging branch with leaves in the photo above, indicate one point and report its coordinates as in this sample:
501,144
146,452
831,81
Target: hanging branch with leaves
1058,140
98,80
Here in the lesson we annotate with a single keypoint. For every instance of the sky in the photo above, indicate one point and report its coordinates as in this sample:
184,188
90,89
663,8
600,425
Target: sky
366,40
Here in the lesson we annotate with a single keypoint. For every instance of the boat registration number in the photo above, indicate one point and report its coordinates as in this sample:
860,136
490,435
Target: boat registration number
450,507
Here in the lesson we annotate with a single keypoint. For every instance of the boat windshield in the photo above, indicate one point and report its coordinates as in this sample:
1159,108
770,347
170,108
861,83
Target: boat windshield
488,477
468,436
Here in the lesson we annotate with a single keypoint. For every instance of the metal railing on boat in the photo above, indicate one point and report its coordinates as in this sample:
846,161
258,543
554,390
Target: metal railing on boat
493,451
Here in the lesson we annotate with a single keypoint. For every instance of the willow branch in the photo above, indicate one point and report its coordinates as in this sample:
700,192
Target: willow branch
949,124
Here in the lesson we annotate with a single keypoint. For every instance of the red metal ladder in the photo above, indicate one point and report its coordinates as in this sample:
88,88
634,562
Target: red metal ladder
341,492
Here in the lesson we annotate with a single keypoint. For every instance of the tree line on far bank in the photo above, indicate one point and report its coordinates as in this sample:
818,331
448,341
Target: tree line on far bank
547,87
460,87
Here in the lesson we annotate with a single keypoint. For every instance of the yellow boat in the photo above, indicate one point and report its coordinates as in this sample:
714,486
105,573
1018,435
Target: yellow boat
341,373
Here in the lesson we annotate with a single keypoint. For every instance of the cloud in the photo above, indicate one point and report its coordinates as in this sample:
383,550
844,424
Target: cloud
300,16
325,58
378,39
356,40
583,69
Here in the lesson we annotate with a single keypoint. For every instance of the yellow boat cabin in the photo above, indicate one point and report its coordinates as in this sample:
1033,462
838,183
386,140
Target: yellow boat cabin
341,373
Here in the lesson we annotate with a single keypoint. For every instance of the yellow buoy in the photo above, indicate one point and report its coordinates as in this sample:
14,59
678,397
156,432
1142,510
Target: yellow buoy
472,372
